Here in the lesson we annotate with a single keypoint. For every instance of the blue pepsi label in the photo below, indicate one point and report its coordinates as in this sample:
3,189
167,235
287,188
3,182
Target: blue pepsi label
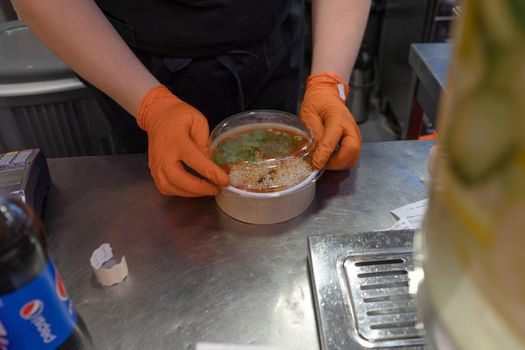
37,316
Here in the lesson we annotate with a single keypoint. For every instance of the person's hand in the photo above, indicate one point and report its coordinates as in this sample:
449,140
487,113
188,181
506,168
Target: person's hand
177,136
324,112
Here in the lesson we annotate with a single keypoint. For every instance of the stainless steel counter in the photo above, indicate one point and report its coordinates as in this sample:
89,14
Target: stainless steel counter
430,62
196,274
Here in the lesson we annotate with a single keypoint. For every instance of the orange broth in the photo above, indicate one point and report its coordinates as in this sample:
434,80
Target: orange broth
264,158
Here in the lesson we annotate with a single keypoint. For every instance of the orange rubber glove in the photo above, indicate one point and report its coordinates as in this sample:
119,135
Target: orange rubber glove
324,112
177,134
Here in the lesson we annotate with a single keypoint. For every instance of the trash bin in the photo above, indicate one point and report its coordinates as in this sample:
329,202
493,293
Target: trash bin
42,102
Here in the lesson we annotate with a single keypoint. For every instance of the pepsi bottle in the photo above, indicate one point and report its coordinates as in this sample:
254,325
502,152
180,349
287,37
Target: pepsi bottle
35,310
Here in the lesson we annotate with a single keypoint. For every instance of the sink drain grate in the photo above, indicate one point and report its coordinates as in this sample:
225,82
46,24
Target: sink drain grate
361,290
382,308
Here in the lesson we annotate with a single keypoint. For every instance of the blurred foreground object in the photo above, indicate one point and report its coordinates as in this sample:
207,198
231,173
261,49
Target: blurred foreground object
35,309
471,244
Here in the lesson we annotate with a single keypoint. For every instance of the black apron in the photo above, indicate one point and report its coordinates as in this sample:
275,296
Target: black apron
219,77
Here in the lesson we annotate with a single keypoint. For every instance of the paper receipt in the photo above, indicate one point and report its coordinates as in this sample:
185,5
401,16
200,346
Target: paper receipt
108,276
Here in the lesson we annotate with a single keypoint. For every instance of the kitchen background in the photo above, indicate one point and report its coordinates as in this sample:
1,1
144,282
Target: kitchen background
43,105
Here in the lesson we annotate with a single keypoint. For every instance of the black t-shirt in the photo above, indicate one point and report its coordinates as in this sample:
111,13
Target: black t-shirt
194,28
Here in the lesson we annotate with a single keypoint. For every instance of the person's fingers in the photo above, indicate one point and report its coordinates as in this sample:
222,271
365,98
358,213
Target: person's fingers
346,155
331,136
166,188
197,156
198,161
312,121
200,131
201,137
179,180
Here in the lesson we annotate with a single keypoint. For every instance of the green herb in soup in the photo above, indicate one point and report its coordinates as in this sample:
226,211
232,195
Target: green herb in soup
243,153
258,144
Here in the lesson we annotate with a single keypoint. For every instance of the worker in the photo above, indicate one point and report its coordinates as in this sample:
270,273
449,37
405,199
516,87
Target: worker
180,66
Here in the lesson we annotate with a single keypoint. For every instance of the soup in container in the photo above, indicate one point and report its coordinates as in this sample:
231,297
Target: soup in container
267,155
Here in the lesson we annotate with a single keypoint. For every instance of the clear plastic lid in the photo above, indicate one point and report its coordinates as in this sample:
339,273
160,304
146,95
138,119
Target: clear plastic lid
263,151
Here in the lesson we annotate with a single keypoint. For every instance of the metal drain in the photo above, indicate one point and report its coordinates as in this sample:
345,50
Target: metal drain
383,309
360,283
